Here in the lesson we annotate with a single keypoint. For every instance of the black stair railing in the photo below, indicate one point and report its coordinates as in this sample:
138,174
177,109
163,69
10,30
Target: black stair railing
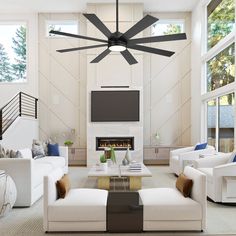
21,104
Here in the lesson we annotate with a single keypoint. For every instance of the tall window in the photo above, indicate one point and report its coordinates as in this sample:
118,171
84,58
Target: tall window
164,27
219,78
13,55
221,20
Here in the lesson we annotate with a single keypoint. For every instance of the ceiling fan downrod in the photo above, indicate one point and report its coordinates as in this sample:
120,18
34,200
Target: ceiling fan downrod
117,16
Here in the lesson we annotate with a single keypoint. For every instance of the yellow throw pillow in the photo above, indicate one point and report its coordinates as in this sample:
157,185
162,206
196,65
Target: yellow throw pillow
63,186
184,185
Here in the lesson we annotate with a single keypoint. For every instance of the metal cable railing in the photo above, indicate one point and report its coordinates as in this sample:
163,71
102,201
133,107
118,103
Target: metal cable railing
21,104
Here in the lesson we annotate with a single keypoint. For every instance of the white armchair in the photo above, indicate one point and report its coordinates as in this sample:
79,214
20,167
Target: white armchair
181,157
221,177
82,209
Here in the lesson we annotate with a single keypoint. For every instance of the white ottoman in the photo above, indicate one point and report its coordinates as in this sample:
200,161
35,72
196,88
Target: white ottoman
7,194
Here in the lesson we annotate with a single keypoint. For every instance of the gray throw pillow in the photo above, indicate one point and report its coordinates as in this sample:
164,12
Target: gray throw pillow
15,154
4,153
38,151
44,144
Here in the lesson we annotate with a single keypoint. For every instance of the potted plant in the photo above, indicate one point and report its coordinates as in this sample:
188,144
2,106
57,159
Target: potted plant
68,143
103,162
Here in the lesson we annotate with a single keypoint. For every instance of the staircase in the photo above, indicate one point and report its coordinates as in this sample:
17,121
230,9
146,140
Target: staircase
20,105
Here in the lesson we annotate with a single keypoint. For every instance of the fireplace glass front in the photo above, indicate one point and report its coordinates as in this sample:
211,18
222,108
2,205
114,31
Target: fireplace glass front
118,143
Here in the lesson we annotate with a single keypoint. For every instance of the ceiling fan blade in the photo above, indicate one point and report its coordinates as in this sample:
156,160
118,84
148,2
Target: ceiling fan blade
140,26
162,38
81,48
101,56
98,23
128,57
77,36
151,50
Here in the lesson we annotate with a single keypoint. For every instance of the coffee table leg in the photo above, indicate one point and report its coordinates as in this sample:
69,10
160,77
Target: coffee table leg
135,182
104,183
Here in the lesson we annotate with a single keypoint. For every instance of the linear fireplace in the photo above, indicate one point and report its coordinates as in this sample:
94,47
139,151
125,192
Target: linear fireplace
119,143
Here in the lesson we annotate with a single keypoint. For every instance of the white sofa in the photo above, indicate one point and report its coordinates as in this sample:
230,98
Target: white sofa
81,210
217,170
28,173
185,156
165,209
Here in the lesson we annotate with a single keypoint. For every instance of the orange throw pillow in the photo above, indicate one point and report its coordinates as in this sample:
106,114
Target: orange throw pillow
184,185
63,186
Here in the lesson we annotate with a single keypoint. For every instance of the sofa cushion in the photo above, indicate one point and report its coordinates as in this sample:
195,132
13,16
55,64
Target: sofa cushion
168,204
208,172
80,205
200,146
53,149
56,162
63,186
184,185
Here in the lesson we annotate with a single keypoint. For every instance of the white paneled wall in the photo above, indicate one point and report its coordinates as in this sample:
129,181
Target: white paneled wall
167,87
165,83
114,71
62,83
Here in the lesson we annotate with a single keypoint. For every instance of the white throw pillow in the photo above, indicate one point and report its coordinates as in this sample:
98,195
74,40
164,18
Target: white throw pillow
26,153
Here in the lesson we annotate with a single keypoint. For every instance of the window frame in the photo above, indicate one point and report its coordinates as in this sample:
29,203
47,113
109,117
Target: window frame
170,21
219,92
48,22
26,23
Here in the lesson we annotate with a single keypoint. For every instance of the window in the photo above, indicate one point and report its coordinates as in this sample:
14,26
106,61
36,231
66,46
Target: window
221,20
13,55
164,27
64,26
220,122
221,69
219,72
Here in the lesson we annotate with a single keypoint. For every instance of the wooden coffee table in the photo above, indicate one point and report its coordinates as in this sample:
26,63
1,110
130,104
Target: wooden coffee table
104,176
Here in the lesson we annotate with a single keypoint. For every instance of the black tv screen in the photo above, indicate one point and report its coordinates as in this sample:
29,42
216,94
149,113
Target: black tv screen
114,106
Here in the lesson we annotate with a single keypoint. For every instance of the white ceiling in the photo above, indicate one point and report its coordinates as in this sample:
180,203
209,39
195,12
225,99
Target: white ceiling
80,5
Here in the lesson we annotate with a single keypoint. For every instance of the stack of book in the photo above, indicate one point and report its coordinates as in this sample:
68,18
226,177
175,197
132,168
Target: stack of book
136,166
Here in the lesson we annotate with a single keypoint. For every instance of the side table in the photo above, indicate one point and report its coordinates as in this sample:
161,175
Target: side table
124,212
8,193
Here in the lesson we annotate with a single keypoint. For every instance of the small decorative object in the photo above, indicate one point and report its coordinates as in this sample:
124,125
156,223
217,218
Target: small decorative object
125,162
68,143
127,158
128,155
103,162
7,194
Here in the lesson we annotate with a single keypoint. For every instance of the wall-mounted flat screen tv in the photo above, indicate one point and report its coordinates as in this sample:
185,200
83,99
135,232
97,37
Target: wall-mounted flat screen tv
114,106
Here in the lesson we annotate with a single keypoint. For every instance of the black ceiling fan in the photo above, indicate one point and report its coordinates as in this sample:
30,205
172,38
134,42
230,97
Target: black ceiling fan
121,42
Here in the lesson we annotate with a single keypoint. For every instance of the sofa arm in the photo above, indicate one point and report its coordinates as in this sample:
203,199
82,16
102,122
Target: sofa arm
210,162
63,150
178,151
194,155
228,169
20,169
50,193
